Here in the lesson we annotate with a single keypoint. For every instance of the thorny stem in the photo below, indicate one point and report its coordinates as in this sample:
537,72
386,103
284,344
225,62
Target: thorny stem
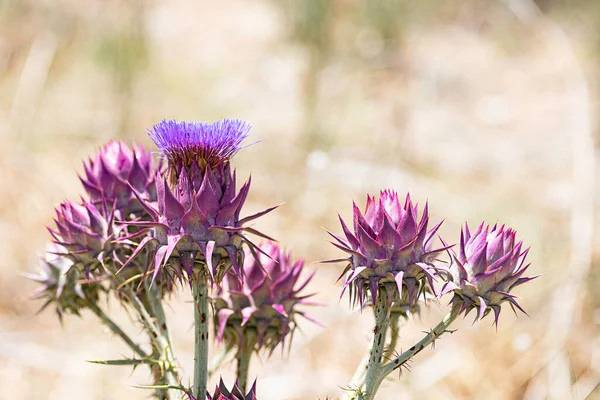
382,314
428,339
158,312
162,343
243,356
201,301
106,320
358,379
394,328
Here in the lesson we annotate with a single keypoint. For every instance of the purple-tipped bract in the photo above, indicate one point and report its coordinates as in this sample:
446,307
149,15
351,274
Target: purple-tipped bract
489,264
84,232
391,247
222,393
265,304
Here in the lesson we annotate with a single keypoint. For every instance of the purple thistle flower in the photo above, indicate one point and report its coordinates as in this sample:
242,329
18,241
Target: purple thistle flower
389,247
115,172
186,144
489,264
222,393
267,301
196,227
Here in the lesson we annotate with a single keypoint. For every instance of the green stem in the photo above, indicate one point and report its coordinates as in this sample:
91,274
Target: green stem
394,329
201,300
243,356
116,329
158,311
382,314
161,343
428,339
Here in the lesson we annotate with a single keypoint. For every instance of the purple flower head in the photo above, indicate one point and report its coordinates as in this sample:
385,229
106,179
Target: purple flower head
84,232
115,172
196,226
390,247
265,304
222,393
489,264
200,144
61,284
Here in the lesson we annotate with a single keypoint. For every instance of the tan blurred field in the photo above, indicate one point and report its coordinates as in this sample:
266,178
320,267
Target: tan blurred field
486,109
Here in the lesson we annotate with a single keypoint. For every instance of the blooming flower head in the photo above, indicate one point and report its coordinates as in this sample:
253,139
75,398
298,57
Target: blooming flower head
266,304
389,247
197,227
191,145
489,264
115,172
63,285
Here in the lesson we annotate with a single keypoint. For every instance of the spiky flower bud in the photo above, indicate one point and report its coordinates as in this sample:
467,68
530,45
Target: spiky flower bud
84,233
115,172
222,393
489,264
266,304
389,247
197,223
63,285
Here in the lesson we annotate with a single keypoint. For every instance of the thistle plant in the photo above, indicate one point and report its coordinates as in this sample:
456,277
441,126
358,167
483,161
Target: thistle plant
145,229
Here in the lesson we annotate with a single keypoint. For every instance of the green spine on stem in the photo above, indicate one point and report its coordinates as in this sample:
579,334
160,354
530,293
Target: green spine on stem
201,301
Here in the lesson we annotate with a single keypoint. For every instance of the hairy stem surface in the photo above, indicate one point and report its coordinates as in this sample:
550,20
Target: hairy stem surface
382,314
201,301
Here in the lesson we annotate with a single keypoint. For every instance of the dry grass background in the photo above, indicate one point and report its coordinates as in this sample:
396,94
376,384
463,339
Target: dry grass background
484,108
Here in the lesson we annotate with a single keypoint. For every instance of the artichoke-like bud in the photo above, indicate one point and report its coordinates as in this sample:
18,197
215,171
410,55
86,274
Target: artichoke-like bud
112,176
489,264
197,222
84,233
265,304
389,247
222,393
63,285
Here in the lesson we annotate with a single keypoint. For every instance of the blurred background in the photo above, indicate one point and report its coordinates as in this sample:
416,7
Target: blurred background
487,109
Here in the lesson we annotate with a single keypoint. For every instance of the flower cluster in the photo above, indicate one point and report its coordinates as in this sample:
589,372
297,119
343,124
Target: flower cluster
390,249
142,222
265,304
